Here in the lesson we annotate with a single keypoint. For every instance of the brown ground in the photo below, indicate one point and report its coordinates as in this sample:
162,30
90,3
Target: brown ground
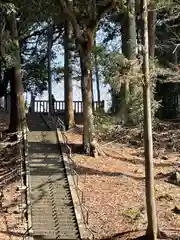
114,186
11,225
12,222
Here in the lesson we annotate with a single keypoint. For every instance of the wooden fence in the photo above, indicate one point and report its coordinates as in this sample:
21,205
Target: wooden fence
59,106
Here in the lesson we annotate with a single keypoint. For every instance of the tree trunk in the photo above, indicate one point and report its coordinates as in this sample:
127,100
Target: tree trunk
124,94
131,31
49,52
152,30
97,74
4,83
15,120
139,26
93,107
148,142
17,117
32,105
86,87
128,32
68,88
116,101
1,80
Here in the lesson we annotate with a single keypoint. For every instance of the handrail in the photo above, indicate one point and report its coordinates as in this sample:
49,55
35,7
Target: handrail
59,124
60,105
21,144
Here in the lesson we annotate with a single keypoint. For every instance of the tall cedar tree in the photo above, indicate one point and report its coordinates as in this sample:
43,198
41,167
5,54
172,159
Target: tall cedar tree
68,88
97,72
49,55
152,228
84,43
17,117
152,29
128,33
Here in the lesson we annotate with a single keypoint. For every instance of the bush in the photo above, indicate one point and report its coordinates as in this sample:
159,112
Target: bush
136,105
102,122
117,71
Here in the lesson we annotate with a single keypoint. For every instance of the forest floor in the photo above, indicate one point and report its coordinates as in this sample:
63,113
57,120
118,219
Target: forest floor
114,186
12,223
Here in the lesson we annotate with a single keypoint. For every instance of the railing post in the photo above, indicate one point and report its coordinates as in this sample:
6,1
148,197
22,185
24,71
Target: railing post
32,103
75,106
82,106
103,104
5,102
43,106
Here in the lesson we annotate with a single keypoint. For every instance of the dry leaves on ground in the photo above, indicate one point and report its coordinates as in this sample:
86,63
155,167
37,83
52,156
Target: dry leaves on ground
114,189
12,223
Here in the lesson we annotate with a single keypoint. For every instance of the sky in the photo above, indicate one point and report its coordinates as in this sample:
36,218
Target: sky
58,91
58,88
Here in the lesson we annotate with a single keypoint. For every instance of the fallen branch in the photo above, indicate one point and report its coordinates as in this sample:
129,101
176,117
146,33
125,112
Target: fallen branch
116,140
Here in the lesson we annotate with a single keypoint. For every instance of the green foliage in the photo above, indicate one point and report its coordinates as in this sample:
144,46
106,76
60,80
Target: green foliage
136,104
99,50
8,47
102,121
164,3
32,17
117,70
132,214
35,77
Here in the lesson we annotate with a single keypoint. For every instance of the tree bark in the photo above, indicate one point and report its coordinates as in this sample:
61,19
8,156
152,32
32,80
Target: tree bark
85,49
124,94
68,88
139,26
1,80
116,101
49,52
32,105
131,30
152,228
152,30
93,107
14,111
97,74
86,87
17,117
128,33
4,83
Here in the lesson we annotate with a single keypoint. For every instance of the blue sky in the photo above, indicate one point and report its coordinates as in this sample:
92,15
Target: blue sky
58,89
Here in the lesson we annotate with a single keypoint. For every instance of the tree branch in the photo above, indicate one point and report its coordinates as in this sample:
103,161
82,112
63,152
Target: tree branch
24,38
101,11
172,66
66,8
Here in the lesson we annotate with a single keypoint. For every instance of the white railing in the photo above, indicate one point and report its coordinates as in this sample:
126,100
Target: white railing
42,106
